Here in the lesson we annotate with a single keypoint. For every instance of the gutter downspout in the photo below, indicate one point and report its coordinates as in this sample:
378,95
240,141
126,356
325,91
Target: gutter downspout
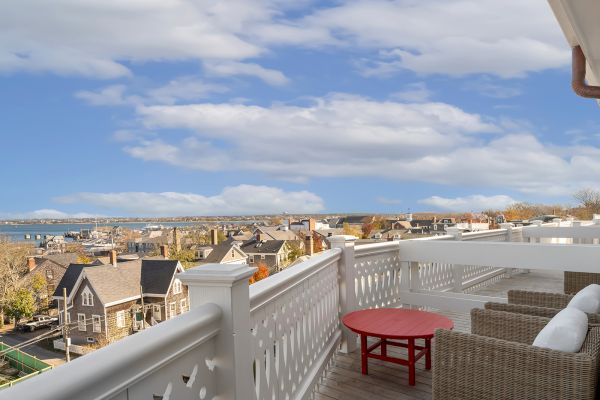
580,87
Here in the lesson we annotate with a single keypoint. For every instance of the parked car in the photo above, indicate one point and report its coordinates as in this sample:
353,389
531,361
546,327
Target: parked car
38,322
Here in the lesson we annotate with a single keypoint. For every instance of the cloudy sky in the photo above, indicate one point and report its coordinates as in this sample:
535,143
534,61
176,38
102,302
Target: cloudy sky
173,107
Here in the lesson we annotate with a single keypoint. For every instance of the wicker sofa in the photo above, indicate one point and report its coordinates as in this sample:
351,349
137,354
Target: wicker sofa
575,281
540,304
497,362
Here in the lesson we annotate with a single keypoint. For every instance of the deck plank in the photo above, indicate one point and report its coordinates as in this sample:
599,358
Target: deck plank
344,381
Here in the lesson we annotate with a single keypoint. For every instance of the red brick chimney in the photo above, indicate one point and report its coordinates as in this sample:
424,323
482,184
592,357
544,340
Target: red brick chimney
113,257
312,224
31,263
164,251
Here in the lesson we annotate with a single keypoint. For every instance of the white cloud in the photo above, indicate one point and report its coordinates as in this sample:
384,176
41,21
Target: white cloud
184,88
487,88
506,38
473,203
429,142
415,92
235,200
98,38
231,68
102,39
46,213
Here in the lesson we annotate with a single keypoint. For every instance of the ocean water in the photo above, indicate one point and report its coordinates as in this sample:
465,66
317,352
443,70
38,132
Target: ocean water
18,232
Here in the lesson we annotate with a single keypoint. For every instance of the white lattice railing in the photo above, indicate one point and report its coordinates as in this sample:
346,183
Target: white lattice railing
173,360
377,275
294,319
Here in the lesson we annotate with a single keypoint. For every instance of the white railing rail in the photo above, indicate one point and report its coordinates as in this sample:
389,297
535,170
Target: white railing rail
578,233
172,360
295,326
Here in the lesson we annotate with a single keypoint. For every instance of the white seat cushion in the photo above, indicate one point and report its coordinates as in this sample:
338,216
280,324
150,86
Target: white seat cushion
587,299
565,332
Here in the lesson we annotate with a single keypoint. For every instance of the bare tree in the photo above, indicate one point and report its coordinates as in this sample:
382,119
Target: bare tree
590,200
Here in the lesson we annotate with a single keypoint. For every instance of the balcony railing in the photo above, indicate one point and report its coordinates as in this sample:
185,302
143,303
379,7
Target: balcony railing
275,339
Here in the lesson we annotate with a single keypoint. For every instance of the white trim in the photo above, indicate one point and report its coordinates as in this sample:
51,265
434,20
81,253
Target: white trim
94,330
182,308
79,322
114,303
156,314
86,294
120,325
174,304
154,295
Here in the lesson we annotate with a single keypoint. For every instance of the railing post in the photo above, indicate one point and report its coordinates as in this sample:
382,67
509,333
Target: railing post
226,285
457,269
347,279
509,236
576,224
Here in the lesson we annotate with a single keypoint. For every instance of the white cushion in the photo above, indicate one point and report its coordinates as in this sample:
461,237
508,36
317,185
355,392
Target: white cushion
587,299
565,332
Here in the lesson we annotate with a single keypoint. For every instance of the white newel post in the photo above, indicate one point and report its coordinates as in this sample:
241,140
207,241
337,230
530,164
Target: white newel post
577,224
457,269
226,285
347,278
509,235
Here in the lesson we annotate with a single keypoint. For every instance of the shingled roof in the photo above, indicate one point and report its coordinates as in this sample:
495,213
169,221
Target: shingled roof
254,246
69,278
157,275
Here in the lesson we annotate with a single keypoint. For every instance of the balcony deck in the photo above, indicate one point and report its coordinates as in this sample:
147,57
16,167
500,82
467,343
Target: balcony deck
390,381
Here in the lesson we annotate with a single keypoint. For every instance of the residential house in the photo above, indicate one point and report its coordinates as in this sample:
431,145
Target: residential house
353,220
51,267
104,302
274,233
273,253
227,252
151,241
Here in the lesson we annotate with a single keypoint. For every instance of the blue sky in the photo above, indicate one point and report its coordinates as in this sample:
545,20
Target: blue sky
247,106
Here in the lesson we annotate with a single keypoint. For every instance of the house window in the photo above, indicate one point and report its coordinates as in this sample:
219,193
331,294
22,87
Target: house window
182,306
120,319
251,259
232,253
156,314
96,325
177,286
49,274
262,256
87,298
172,310
81,322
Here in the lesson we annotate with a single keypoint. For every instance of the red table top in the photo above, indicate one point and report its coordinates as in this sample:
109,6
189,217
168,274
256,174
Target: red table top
396,323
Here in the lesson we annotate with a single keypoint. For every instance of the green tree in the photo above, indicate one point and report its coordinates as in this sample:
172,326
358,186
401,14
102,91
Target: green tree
294,251
350,230
187,257
21,304
39,286
13,266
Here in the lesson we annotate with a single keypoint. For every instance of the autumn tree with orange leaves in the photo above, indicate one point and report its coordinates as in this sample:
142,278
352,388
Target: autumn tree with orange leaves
262,273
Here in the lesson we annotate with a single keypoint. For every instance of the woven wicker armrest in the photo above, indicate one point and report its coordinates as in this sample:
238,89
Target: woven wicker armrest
593,319
519,328
575,281
473,367
539,299
523,309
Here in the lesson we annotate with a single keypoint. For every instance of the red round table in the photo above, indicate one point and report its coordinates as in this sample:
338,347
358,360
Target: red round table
396,324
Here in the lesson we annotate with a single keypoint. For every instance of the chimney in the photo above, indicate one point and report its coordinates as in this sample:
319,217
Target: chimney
308,245
164,251
312,224
31,263
113,257
214,237
258,237
176,239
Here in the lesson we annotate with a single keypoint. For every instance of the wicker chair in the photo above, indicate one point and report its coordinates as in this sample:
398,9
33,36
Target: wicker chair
498,362
540,304
575,281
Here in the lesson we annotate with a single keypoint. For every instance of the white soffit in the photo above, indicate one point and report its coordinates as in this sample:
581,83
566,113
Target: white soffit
580,23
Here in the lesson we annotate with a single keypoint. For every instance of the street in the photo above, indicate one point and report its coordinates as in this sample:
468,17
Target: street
12,338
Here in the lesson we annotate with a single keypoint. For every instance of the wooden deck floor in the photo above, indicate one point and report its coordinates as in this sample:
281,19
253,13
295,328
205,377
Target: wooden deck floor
344,380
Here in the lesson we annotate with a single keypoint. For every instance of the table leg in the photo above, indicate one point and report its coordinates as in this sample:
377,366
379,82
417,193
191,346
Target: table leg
384,347
428,354
363,354
411,362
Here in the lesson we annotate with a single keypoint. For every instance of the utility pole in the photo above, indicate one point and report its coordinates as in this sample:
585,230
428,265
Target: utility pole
66,327
143,310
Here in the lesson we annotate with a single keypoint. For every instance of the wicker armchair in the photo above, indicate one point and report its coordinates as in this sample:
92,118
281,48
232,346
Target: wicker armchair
575,281
498,362
540,304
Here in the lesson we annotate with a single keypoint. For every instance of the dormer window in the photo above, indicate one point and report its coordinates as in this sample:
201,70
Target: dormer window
176,286
87,298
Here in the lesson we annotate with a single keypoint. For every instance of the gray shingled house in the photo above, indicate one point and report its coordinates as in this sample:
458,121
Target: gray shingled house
104,302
